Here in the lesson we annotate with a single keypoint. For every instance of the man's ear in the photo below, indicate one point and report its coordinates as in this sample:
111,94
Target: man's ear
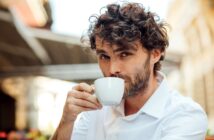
155,55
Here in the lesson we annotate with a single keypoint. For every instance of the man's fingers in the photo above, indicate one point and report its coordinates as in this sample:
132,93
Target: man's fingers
83,103
85,96
78,100
84,87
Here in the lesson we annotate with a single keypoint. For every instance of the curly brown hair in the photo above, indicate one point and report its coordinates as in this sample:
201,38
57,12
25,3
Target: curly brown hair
123,24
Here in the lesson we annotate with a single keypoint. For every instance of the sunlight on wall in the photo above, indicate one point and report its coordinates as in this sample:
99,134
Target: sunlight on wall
49,97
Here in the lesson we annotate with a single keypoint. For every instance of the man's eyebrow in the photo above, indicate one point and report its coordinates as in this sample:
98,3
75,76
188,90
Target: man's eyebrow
99,51
120,49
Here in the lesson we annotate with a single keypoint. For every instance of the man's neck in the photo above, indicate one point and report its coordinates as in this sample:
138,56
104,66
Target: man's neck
135,103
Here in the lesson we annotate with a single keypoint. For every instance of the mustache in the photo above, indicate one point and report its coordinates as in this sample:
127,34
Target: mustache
119,76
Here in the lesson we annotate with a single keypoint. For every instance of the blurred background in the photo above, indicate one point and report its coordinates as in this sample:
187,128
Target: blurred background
41,58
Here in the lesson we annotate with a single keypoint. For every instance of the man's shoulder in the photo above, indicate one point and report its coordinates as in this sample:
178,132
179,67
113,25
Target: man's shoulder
184,116
182,107
179,102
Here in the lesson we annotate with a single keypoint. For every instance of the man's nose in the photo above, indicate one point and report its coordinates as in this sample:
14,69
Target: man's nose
114,69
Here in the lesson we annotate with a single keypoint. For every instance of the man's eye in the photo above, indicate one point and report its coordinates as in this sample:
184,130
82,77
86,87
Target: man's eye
104,57
124,54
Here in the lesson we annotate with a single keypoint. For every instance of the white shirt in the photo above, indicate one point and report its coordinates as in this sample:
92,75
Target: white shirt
167,115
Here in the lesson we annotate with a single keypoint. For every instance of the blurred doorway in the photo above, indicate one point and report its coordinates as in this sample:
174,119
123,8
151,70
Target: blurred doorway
7,112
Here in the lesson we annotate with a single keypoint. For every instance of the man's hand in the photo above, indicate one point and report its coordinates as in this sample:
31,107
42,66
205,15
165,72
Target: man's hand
79,99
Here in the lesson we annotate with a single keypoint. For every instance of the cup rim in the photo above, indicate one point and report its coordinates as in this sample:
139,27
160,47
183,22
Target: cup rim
108,78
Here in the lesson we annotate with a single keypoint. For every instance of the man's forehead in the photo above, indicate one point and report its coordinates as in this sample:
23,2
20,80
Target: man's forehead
100,43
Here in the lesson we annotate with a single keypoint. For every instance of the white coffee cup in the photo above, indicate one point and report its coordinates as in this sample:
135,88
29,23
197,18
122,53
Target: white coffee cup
109,90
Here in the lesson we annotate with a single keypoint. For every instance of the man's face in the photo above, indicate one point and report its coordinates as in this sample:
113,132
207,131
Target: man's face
132,63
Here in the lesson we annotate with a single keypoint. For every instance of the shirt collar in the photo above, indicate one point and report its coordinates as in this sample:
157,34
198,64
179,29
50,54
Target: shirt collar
156,104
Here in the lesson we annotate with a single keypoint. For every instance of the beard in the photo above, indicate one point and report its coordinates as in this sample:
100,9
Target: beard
140,81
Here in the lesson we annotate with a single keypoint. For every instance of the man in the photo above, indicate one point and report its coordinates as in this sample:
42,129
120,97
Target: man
130,43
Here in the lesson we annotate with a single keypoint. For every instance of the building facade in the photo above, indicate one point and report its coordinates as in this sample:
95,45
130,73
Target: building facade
191,36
